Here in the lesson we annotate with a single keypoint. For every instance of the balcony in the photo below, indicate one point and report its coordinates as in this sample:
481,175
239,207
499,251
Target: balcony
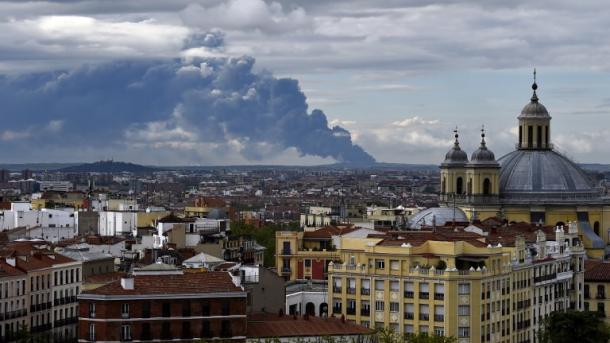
365,312
41,307
125,315
424,316
600,296
365,291
350,311
91,337
409,294
439,318
336,310
285,270
337,289
14,314
424,295
439,296
286,252
543,278
409,315
351,291
66,321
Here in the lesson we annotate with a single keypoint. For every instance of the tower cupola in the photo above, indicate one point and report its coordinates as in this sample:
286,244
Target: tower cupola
534,124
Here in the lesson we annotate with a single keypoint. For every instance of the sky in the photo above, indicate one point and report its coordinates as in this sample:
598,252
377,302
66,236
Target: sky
301,82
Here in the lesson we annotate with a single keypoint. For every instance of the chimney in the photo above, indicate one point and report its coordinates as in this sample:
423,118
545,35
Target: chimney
127,282
11,261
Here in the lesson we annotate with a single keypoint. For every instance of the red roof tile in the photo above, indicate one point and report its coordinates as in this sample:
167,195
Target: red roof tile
596,270
267,325
205,282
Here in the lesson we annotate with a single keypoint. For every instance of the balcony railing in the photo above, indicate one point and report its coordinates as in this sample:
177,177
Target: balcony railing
365,291
600,296
350,310
337,310
424,316
65,300
337,289
365,312
351,291
439,318
409,294
409,315
543,278
286,270
40,307
424,295
439,296
66,321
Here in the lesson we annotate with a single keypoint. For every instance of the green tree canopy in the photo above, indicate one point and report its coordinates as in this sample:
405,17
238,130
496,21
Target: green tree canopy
574,326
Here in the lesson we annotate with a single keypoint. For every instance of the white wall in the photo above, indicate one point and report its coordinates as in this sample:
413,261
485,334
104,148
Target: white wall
114,223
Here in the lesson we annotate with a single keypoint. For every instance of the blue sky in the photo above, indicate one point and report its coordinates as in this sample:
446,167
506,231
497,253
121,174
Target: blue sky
395,76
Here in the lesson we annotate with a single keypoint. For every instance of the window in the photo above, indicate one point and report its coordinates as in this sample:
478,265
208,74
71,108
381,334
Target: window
439,313
125,310
409,289
226,329
464,288
379,285
205,329
423,328
307,263
600,308
460,185
380,264
379,305
186,330
464,310
463,332
439,331
125,332
91,334
145,333
394,265
394,286
409,328
186,309
394,307
166,310
226,307
424,312
165,330
145,309
205,309
91,310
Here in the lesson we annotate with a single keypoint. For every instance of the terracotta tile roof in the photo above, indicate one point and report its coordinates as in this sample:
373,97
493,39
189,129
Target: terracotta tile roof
328,231
267,325
8,270
417,238
104,278
596,270
40,260
207,282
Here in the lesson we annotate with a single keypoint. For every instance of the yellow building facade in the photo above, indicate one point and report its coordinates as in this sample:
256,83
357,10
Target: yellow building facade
533,184
465,288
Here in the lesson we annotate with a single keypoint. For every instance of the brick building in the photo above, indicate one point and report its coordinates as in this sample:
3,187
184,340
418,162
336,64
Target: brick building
162,303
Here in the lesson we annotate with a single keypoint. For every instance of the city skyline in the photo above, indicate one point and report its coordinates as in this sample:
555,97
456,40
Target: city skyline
397,78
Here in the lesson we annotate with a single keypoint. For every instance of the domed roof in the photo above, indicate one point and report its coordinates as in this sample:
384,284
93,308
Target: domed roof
456,156
483,156
436,215
534,109
542,175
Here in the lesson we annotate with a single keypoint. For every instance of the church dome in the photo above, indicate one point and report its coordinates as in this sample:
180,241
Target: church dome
543,176
439,216
483,156
456,156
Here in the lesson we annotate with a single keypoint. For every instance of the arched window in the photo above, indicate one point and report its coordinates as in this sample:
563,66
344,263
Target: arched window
486,187
459,188
530,136
596,228
539,138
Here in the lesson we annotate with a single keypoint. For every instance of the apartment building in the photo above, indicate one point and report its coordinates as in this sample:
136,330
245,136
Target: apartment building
164,303
597,287
47,300
475,285
13,300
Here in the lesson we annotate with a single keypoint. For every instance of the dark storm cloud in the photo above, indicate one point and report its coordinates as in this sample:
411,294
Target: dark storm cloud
176,105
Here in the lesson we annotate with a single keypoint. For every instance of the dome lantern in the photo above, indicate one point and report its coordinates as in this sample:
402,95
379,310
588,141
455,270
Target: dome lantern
534,124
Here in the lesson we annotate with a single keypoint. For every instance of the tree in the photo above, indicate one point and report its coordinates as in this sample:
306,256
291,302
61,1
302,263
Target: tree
574,326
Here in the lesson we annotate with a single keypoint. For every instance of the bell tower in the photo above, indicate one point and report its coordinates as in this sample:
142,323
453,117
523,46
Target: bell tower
453,172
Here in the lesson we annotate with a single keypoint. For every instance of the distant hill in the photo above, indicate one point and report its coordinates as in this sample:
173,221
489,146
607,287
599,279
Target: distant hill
597,167
108,167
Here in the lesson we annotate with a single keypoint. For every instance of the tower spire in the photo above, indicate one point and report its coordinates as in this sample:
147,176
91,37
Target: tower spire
483,135
534,87
456,135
